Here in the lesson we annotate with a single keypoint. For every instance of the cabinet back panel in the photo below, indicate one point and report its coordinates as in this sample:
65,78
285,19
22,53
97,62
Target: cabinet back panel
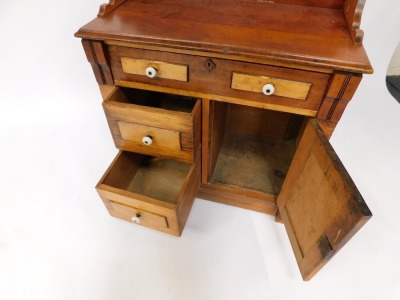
258,122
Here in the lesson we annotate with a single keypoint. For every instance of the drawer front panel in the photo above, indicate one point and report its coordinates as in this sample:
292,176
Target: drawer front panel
298,91
150,136
153,69
139,216
282,87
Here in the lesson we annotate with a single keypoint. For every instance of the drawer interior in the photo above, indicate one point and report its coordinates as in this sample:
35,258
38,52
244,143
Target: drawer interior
252,148
153,99
157,178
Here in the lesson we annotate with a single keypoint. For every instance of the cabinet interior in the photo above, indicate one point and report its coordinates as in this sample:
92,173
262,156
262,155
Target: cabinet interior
252,148
148,176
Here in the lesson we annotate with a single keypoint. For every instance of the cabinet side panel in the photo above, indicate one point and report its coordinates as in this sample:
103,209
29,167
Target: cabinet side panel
217,130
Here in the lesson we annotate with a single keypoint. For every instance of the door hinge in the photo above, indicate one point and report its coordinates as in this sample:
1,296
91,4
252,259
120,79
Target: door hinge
325,247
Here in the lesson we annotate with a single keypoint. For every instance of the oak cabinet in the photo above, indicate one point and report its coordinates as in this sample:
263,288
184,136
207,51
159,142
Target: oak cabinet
234,102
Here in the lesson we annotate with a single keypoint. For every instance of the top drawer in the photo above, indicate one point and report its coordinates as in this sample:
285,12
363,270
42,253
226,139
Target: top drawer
295,90
271,86
154,68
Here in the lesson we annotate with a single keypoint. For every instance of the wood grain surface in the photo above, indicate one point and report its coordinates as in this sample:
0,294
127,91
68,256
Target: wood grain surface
319,203
296,31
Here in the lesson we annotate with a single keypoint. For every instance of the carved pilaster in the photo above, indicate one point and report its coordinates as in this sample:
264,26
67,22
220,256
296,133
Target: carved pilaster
95,54
340,91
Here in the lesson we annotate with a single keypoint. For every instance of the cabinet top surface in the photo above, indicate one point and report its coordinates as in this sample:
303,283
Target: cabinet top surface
262,29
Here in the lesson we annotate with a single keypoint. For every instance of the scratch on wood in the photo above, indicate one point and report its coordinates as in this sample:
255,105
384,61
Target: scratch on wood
337,236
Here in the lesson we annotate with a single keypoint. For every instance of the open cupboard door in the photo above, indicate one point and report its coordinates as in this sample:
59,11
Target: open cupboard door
319,203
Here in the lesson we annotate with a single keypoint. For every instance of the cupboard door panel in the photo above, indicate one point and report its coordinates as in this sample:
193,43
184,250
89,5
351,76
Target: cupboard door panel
319,203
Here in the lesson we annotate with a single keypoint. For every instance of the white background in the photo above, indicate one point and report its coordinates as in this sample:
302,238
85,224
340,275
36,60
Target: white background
57,240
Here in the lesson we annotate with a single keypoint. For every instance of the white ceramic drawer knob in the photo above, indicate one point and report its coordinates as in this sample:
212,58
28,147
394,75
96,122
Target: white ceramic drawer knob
136,219
151,72
147,140
268,89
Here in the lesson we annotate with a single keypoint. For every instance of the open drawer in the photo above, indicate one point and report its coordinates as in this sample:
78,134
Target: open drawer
154,123
149,191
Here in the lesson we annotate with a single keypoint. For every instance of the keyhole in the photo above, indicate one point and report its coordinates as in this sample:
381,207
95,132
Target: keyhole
209,65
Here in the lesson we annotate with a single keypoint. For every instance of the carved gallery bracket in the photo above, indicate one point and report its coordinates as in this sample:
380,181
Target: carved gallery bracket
105,8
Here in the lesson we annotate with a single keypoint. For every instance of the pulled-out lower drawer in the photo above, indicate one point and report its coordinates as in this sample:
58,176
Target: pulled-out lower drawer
149,191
